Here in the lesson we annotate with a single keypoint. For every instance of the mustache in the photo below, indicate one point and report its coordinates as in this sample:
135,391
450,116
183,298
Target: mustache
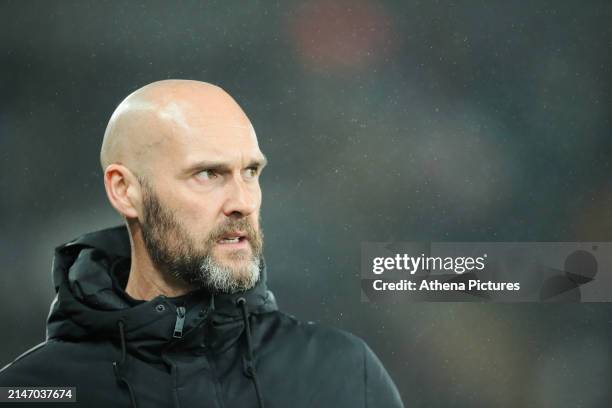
229,226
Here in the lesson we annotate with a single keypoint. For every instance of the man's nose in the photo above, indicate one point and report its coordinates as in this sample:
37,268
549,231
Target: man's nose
240,200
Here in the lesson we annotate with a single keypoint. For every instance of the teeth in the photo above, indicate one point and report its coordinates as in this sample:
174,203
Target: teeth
230,240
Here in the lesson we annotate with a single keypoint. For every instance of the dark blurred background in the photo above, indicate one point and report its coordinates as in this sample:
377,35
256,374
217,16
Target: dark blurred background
382,120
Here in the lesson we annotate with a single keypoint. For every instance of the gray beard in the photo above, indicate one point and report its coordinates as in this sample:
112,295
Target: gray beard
221,278
173,253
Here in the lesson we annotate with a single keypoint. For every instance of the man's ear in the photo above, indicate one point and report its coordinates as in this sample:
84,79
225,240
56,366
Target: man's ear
123,190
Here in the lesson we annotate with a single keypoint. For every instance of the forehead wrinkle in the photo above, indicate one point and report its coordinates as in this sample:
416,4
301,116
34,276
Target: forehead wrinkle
211,152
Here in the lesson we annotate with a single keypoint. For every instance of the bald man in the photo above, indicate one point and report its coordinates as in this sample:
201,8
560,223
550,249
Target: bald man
172,309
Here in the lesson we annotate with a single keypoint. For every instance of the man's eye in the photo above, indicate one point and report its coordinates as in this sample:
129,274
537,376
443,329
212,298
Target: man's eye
206,174
252,171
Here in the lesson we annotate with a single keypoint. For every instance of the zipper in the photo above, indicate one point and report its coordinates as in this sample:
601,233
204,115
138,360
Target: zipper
180,322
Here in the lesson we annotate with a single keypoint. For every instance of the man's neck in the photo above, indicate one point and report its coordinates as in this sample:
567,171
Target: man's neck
145,281
146,285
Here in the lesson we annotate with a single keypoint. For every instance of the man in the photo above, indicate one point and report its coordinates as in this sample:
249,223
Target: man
172,309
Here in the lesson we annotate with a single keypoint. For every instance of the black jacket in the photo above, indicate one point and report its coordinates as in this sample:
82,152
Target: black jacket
195,350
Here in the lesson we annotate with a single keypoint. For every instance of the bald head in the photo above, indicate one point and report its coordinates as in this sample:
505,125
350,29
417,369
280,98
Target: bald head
157,115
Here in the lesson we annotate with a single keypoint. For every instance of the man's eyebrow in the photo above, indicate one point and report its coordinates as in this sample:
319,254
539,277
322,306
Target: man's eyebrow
222,166
263,162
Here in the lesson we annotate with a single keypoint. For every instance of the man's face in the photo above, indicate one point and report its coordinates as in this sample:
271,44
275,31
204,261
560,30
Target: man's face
201,217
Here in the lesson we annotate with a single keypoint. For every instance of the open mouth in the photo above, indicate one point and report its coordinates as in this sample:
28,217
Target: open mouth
232,238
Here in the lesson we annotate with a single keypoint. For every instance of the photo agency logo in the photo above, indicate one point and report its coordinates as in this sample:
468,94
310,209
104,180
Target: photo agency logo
486,272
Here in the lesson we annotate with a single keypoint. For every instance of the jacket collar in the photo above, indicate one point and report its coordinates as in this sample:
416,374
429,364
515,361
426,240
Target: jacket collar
89,305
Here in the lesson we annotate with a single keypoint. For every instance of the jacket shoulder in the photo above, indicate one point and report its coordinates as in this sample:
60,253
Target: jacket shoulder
324,343
344,356
20,364
52,362
312,331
